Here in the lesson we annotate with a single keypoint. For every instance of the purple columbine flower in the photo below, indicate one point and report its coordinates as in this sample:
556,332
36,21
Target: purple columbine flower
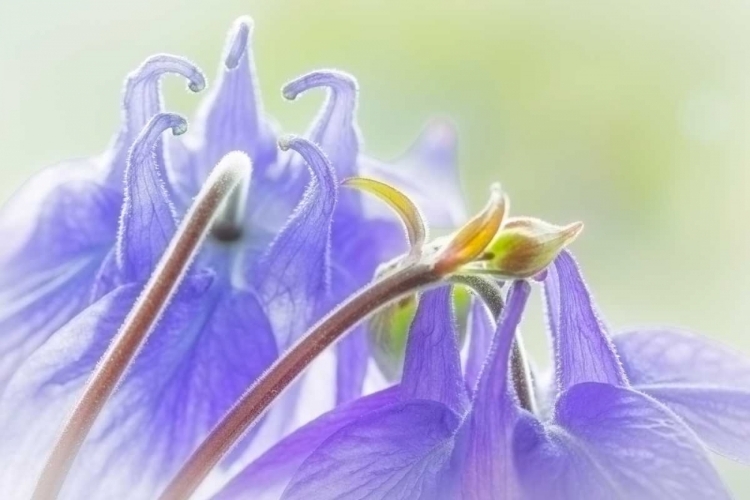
84,236
604,436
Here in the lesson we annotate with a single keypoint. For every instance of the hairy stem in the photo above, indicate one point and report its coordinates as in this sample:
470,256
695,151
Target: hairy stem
139,322
256,400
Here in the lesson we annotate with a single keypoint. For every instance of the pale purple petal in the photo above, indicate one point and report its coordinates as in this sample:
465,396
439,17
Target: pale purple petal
428,174
334,129
57,229
208,348
432,364
32,408
231,116
486,434
269,475
294,276
148,219
612,442
143,99
357,247
705,383
352,357
401,452
583,350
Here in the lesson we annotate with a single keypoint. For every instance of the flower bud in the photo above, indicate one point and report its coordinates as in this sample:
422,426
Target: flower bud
525,246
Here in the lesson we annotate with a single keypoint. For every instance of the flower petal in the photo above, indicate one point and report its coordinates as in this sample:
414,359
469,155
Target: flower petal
230,117
583,350
485,436
334,128
294,276
702,381
57,230
428,174
401,452
612,442
357,248
148,219
352,357
432,365
143,99
267,476
194,366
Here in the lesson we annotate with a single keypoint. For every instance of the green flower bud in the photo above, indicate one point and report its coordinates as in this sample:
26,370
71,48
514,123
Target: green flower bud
525,246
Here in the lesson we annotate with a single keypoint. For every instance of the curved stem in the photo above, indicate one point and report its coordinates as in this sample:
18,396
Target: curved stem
288,367
139,322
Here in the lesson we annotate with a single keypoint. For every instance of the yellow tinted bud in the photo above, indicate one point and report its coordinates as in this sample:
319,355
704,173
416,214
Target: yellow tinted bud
525,246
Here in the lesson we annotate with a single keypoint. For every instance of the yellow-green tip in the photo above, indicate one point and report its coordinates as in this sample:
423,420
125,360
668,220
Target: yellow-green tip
471,240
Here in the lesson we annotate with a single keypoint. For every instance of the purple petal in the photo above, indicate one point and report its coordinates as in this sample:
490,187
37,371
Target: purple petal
334,128
58,228
148,219
486,433
428,174
705,383
481,327
583,350
269,475
432,364
209,346
612,442
401,452
230,117
294,276
352,356
142,99
358,247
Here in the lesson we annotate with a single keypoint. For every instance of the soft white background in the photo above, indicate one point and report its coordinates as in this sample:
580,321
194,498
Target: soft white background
630,116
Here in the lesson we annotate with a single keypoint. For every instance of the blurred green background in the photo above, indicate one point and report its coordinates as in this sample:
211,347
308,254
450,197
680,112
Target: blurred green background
631,116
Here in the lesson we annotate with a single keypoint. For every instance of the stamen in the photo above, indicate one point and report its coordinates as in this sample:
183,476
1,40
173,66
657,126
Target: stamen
237,42
230,171
254,403
405,208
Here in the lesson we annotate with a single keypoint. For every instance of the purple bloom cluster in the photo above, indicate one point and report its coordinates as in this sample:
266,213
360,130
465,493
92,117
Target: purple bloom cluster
626,416
633,426
84,236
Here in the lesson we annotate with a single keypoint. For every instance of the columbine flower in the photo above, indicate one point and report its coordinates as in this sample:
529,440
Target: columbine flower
87,235
423,438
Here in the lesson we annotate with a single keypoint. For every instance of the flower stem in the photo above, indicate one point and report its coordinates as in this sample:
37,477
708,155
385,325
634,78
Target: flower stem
145,313
256,400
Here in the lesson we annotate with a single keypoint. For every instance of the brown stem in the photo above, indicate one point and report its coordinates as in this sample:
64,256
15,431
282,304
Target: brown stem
145,313
288,367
